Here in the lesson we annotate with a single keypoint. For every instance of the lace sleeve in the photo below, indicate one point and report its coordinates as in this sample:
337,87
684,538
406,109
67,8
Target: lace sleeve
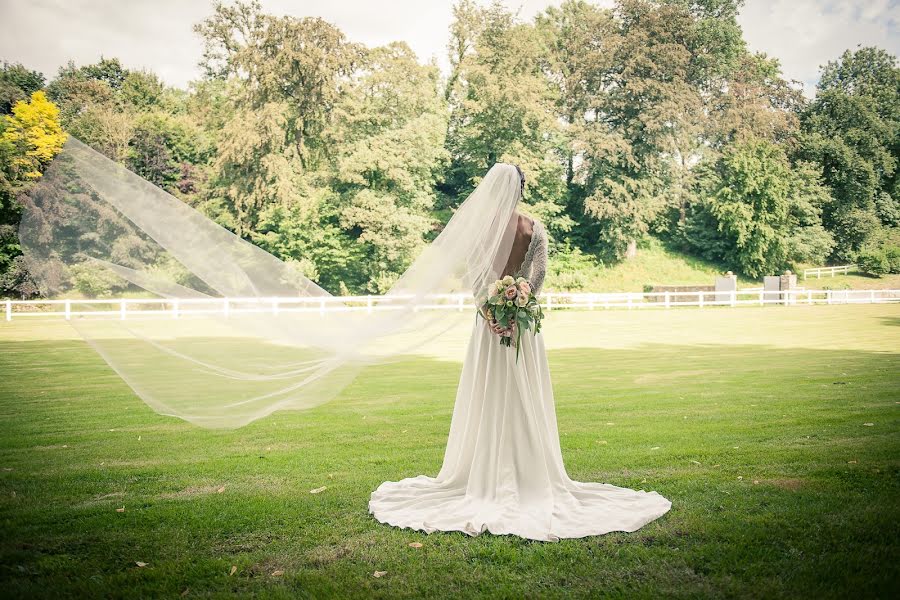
539,262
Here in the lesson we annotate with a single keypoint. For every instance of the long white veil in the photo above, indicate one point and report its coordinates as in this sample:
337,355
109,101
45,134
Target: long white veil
217,348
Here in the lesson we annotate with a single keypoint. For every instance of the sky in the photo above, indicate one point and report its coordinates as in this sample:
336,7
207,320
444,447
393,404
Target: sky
157,34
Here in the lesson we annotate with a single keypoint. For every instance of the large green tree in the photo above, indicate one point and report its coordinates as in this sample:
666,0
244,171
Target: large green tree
757,213
388,139
289,73
390,129
503,108
853,131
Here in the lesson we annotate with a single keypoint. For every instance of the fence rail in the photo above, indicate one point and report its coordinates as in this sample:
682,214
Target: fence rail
177,308
831,271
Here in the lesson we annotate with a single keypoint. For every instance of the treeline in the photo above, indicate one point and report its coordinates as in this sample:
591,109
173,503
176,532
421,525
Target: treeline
651,118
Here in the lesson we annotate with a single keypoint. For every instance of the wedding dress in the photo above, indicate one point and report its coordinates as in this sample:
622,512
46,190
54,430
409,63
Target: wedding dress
503,469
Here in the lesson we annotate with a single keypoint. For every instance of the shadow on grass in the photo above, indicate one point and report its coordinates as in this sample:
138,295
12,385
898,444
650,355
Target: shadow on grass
781,465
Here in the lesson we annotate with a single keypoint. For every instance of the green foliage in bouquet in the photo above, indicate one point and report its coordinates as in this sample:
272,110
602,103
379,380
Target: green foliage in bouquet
511,305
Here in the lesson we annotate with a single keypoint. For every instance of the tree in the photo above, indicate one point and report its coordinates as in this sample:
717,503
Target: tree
17,83
164,150
648,116
579,40
808,242
501,103
757,213
288,75
503,110
34,131
390,128
852,129
29,139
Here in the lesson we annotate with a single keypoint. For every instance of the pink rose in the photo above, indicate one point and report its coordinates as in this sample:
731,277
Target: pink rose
524,288
511,292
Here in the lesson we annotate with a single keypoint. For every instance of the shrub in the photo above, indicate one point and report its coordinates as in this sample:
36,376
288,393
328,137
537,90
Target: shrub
571,281
93,281
873,262
893,257
567,272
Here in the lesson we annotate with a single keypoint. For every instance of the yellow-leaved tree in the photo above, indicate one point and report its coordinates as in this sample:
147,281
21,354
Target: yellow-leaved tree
34,130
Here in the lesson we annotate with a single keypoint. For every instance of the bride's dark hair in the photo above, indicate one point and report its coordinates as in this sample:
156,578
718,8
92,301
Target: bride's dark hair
521,180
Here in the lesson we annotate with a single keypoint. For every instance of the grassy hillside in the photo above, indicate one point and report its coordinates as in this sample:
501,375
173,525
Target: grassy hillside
657,265
653,265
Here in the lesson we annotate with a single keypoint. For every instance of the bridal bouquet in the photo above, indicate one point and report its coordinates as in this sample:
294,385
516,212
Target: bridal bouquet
510,307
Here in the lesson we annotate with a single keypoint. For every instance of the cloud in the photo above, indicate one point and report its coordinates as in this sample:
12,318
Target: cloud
805,34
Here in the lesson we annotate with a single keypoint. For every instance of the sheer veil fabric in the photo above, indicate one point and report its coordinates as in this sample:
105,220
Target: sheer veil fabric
218,348
503,469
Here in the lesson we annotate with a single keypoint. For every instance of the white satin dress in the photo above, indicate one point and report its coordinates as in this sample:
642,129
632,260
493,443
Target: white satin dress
503,470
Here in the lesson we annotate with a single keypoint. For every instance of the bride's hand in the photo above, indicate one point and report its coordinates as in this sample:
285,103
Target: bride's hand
495,327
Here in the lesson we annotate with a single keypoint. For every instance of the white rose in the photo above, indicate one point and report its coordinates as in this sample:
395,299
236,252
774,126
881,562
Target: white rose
521,300
508,281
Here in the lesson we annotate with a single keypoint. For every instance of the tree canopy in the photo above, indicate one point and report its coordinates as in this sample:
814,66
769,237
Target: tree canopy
650,118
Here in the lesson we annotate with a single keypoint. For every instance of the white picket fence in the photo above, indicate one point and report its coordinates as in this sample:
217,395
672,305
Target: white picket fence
176,308
831,271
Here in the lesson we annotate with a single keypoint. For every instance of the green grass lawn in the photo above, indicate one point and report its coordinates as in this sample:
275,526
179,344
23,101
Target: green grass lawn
773,431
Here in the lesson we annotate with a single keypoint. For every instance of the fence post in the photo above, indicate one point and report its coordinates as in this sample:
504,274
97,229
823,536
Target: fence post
733,297
872,296
68,310
175,308
225,308
666,297
549,302
629,301
700,298
9,310
369,303
809,296
122,310
322,306
274,306
828,296
761,300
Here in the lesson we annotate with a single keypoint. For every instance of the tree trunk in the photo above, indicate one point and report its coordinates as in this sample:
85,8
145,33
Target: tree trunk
631,250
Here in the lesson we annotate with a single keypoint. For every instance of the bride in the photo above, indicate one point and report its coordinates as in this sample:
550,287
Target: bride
237,334
503,470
